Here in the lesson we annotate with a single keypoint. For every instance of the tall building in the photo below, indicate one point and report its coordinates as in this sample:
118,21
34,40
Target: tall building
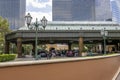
14,11
116,10
103,10
81,10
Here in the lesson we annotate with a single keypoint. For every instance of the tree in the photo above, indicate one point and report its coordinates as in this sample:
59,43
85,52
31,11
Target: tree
4,29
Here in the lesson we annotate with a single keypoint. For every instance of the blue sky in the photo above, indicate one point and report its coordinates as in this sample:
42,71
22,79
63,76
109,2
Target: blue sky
39,8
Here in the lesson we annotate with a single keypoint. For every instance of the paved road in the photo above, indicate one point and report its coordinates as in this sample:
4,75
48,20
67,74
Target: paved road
118,78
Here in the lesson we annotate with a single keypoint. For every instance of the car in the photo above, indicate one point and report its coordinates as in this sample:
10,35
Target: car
42,53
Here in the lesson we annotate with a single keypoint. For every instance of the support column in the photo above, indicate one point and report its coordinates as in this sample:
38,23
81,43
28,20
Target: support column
19,47
81,45
69,46
118,46
7,45
33,50
100,48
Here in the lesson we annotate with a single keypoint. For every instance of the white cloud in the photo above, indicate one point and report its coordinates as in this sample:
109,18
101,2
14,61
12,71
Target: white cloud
37,4
39,14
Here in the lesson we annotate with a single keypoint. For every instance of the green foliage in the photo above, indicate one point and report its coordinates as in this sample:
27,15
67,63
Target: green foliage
4,25
7,57
4,29
85,49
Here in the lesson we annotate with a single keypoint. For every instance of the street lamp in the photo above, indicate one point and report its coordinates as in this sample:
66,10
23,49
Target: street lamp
28,19
44,22
36,24
104,35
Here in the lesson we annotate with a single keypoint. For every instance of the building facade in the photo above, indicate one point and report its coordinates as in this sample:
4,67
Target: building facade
116,10
14,12
103,10
81,10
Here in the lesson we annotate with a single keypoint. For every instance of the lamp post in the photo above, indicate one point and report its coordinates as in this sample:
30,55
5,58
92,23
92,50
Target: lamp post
36,24
104,35
36,37
44,22
28,19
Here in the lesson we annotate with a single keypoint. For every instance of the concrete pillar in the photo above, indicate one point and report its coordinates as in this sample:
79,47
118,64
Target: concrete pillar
7,45
81,45
33,50
69,46
100,48
118,46
19,47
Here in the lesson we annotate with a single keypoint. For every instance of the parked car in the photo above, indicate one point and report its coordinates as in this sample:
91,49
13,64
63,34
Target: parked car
42,53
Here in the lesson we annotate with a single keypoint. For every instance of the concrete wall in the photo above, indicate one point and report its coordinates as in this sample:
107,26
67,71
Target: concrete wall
93,69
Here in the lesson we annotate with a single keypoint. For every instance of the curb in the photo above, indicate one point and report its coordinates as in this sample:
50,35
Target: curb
116,74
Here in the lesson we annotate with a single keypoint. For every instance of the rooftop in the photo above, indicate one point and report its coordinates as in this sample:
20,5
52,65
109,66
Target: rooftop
77,25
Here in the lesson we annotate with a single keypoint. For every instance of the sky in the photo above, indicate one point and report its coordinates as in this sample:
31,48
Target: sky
39,8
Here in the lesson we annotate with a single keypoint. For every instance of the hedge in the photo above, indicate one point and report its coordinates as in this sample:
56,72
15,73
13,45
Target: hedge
7,57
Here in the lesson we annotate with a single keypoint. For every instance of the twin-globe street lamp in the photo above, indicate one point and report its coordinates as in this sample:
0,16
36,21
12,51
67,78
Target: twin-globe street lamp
36,24
104,35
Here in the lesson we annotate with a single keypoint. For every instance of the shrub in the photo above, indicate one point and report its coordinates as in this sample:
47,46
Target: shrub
84,50
7,57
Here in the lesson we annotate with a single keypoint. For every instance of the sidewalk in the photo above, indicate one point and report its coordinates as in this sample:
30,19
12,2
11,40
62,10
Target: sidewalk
30,58
26,58
117,75
118,78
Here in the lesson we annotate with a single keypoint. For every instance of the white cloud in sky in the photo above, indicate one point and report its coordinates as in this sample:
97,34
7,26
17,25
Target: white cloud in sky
39,5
